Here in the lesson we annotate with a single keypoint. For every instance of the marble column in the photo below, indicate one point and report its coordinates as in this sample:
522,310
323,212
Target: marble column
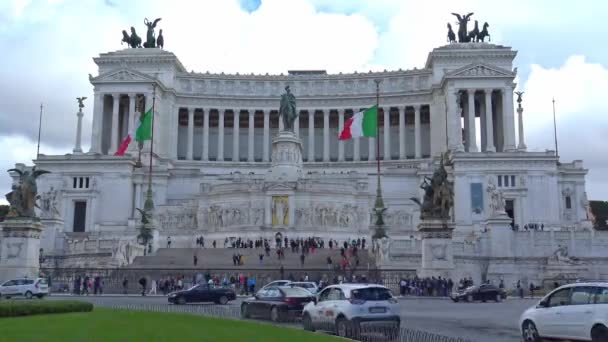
96,132
77,146
471,133
268,210
220,139
356,146
489,121
311,135
138,203
281,125
291,211
325,134
508,120
457,123
190,146
417,138
296,126
340,128
387,132
205,134
235,135
402,132
522,145
134,120
114,135
250,136
266,137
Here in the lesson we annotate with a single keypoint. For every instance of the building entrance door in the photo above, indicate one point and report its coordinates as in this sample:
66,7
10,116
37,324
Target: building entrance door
80,215
509,205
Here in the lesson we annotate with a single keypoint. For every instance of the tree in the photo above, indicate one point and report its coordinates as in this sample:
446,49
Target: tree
599,211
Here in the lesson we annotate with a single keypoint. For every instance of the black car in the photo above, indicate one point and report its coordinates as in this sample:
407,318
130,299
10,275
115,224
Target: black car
277,303
483,293
202,293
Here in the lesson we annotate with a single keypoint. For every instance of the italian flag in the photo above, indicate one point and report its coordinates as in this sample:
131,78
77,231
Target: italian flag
362,124
143,133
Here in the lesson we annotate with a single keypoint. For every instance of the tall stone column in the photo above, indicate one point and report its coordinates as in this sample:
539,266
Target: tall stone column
471,133
340,128
522,145
457,123
291,213
205,134
356,147
281,125
138,192
190,146
265,156
114,135
402,132
311,135
296,126
489,121
77,146
134,119
418,143
220,142
235,135
387,132
325,135
96,131
250,136
508,119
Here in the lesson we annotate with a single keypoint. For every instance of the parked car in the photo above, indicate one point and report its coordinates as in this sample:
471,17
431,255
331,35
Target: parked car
484,293
342,308
277,283
202,293
277,303
25,287
307,285
576,311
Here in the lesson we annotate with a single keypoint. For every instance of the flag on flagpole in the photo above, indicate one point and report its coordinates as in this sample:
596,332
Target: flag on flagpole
143,133
362,124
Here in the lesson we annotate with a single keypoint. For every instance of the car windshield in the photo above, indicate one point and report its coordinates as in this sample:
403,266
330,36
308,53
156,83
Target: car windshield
371,293
295,292
304,285
42,281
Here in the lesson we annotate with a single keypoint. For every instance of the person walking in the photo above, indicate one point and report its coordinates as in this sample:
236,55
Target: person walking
302,257
195,260
531,290
329,263
153,286
168,241
125,285
143,282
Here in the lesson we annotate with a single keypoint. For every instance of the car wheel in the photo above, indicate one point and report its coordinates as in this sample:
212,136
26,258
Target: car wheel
181,300
529,332
40,296
223,300
342,328
307,322
599,333
498,298
275,315
470,298
244,311
28,295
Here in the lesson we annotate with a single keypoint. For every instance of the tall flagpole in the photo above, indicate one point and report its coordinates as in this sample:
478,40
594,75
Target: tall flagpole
39,131
555,132
379,203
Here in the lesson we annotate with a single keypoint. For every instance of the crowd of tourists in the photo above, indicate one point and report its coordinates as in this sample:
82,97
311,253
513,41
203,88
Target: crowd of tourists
433,286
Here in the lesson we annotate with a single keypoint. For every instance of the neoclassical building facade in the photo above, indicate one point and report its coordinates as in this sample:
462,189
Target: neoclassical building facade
213,150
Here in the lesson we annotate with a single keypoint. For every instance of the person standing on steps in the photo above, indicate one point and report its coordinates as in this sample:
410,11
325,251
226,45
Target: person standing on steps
168,241
195,260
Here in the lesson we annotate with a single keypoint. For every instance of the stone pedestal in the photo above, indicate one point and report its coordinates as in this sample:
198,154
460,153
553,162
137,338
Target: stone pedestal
286,157
20,248
437,255
52,238
501,236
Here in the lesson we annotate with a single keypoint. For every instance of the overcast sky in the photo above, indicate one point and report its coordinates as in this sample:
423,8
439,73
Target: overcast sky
48,48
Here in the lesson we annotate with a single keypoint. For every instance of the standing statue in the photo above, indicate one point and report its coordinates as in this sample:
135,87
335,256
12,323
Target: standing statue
150,39
519,100
451,34
497,201
287,110
80,102
133,41
438,194
462,27
23,198
484,33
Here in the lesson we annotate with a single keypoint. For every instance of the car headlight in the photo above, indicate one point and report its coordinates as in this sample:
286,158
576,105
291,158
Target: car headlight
171,295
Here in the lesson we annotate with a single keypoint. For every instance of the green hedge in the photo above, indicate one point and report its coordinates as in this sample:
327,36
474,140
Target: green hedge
13,308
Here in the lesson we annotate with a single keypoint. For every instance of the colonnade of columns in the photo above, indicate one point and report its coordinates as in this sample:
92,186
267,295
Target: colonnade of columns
311,137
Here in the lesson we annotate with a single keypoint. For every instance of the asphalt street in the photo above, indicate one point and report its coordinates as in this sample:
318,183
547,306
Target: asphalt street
481,322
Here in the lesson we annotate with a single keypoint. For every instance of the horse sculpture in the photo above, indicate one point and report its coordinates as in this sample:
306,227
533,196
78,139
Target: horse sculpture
474,33
451,34
484,33
133,41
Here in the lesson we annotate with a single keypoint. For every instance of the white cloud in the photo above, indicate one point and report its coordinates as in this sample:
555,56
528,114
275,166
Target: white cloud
579,89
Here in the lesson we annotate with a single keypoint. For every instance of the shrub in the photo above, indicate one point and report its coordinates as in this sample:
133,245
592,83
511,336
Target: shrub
26,308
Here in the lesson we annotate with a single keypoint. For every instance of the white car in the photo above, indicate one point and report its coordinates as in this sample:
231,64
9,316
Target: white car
576,311
28,288
277,283
347,309
307,285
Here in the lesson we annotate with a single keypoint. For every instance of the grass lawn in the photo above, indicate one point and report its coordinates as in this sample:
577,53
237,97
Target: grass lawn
121,325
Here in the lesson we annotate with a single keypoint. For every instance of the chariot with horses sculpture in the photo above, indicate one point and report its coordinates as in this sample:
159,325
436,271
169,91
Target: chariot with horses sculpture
464,36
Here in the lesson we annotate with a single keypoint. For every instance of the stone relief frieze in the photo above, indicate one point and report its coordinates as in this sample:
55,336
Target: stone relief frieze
398,218
176,217
328,215
216,216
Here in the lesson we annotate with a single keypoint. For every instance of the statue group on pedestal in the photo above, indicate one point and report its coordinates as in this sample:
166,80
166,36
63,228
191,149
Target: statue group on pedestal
438,194
465,36
497,200
22,198
134,41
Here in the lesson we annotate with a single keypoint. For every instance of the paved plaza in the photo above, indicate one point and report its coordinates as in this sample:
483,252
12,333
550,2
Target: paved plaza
473,321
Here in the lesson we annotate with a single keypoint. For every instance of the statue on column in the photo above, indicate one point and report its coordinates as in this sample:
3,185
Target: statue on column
287,110
81,102
438,194
463,36
23,198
